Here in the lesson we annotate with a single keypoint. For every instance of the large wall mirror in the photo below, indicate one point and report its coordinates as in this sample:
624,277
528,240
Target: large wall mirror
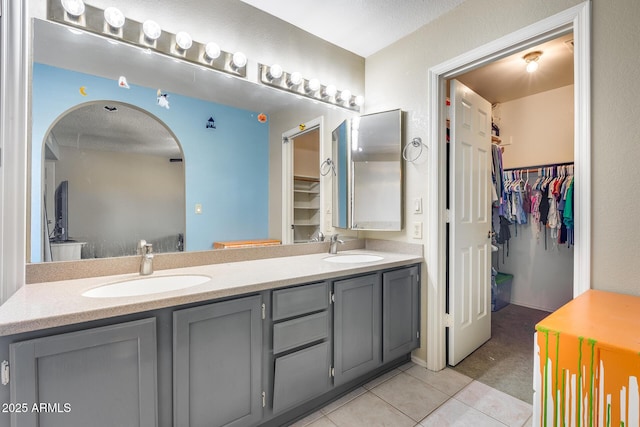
216,183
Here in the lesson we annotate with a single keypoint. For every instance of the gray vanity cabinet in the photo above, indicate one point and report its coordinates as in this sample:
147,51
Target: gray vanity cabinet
97,377
400,312
356,327
217,360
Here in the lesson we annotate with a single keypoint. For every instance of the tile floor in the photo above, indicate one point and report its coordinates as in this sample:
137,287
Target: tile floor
415,397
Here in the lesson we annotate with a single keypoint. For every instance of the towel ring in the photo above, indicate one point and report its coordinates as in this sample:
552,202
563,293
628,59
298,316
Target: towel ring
415,143
327,166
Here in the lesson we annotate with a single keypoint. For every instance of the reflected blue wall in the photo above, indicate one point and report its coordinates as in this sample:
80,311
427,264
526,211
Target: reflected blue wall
226,169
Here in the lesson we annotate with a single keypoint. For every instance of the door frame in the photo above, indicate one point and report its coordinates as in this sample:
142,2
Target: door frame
287,174
576,19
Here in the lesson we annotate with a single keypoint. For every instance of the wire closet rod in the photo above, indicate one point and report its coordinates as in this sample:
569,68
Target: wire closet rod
536,167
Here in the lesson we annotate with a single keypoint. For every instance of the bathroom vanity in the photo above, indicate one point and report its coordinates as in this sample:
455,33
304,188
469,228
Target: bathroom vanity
262,343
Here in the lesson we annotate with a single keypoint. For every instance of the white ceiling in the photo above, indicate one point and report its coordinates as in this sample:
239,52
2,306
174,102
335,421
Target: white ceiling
360,26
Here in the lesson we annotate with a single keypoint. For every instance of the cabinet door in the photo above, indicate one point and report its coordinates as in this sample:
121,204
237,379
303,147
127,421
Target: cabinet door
98,377
217,360
356,327
400,312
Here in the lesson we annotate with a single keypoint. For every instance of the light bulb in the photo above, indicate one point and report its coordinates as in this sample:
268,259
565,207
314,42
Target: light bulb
330,91
313,85
151,29
359,101
114,17
275,72
184,40
239,59
295,79
212,51
74,8
345,95
532,66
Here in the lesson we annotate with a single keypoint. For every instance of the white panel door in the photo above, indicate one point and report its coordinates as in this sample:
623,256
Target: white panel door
470,225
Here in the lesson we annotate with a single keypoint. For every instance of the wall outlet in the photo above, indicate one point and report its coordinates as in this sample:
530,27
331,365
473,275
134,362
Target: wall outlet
416,230
198,208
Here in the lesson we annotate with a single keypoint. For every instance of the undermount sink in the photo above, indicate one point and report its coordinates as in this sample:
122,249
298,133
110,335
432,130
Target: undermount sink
146,286
352,258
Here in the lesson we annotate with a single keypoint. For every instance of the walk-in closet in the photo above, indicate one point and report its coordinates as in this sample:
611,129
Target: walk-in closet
533,213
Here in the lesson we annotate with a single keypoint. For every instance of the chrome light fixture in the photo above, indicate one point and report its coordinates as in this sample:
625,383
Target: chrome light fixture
114,18
74,8
531,59
151,30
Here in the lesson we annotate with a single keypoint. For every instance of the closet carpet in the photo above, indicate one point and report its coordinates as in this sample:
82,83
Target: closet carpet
505,362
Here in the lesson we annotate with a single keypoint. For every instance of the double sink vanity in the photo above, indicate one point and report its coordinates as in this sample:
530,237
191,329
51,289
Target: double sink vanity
252,342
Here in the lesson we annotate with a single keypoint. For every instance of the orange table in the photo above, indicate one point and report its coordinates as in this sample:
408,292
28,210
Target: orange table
587,363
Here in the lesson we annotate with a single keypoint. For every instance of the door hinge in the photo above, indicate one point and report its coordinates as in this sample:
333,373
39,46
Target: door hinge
264,311
448,320
418,278
4,371
332,297
264,399
417,334
447,215
332,372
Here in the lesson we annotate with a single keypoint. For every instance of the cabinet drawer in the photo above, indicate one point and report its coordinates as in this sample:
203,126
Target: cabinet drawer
300,331
300,300
301,376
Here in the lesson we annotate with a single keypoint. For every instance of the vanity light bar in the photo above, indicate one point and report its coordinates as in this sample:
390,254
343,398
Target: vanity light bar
131,32
306,88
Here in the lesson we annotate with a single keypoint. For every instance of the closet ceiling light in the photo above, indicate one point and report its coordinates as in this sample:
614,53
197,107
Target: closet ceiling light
151,29
275,72
114,17
74,8
183,40
212,51
239,60
531,59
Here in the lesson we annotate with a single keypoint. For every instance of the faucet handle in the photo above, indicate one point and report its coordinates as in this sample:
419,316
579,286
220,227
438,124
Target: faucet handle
141,247
148,248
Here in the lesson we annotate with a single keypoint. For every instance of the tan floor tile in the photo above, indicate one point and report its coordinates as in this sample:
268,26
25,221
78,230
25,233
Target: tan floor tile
322,422
382,378
456,414
529,422
413,397
447,380
308,419
496,404
344,399
370,411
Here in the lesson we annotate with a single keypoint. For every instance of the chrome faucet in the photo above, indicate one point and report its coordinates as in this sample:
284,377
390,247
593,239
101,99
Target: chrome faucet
146,262
333,247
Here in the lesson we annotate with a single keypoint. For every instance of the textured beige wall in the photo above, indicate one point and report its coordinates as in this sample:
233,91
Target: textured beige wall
538,129
616,146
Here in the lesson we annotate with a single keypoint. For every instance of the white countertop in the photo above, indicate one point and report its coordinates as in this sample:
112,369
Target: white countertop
46,305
